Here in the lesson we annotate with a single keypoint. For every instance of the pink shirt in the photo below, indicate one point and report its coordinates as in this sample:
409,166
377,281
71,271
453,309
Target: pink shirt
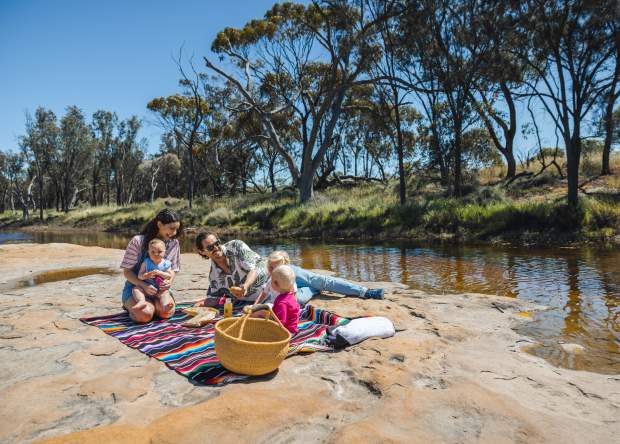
286,308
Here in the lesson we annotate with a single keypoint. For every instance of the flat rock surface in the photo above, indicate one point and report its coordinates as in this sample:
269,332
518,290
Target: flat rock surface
455,372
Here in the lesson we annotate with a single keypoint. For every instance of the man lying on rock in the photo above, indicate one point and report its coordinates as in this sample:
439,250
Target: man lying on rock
238,271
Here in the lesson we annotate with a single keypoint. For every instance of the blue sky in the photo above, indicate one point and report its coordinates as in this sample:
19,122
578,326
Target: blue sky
113,55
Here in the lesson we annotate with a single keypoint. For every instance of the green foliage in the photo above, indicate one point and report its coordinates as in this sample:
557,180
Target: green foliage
369,211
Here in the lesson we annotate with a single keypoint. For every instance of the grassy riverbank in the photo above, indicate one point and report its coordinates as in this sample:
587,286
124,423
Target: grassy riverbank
530,210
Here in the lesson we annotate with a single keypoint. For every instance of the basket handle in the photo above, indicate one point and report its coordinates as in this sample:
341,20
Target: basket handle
244,318
234,323
241,319
270,313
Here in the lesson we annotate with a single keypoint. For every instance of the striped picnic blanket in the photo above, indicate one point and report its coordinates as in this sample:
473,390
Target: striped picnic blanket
190,351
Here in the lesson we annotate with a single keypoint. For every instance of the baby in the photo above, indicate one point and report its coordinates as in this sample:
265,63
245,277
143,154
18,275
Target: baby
274,260
285,305
154,271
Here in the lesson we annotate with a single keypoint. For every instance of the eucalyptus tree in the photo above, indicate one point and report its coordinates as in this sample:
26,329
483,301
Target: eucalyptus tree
391,95
251,147
479,150
446,42
434,135
169,173
103,127
611,122
72,160
569,53
502,78
19,185
4,181
310,56
184,115
127,155
148,179
39,145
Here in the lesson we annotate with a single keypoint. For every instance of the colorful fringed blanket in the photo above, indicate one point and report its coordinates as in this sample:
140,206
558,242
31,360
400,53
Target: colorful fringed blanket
190,351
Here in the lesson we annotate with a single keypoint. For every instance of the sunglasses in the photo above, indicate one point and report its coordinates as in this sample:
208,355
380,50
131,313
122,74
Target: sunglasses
212,247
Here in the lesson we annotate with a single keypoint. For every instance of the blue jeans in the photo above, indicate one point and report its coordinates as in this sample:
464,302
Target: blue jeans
310,284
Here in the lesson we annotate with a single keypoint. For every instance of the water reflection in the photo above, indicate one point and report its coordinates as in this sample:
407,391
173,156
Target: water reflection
58,275
581,286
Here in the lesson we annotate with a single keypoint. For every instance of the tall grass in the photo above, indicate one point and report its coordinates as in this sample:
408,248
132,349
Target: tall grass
530,206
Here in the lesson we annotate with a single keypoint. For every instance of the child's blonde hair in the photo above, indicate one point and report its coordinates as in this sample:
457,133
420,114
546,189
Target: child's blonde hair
157,241
285,276
279,256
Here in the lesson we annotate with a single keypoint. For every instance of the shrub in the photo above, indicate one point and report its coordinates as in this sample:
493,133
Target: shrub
219,217
600,214
485,196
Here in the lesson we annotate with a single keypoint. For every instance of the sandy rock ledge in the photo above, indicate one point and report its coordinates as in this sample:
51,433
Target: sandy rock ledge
454,373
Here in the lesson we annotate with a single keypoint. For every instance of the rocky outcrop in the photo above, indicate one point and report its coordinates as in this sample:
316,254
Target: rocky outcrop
455,372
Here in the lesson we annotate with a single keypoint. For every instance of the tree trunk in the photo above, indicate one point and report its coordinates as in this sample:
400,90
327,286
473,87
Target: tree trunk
2,202
510,133
443,170
272,177
457,159
402,190
93,197
24,204
25,213
512,165
306,188
41,198
190,182
605,168
119,192
573,150
107,190
29,196
609,121
74,198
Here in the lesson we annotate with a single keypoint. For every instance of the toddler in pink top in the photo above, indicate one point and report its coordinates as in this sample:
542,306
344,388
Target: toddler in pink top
285,305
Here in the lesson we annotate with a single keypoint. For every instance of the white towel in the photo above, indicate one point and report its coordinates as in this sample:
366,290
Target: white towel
363,328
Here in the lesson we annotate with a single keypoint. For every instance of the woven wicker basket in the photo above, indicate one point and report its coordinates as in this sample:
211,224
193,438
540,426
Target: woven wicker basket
251,346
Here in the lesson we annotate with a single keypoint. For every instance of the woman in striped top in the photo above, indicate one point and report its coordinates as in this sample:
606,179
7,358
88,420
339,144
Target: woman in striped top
167,226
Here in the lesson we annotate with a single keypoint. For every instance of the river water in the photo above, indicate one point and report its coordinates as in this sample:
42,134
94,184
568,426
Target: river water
581,286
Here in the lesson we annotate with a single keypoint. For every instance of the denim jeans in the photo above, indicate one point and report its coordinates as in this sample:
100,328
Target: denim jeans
310,284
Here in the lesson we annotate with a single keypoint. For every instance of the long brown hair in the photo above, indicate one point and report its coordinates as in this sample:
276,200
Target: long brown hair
151,230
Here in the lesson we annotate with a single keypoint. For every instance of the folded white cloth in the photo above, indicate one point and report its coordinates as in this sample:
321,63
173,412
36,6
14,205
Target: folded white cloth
363,328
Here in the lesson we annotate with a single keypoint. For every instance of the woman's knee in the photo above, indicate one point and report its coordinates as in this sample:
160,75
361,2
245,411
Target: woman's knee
142,315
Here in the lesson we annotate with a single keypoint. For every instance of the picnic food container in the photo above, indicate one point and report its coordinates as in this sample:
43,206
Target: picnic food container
251,346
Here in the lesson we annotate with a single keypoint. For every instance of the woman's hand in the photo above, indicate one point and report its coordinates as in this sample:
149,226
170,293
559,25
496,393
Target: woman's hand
166,284
150,290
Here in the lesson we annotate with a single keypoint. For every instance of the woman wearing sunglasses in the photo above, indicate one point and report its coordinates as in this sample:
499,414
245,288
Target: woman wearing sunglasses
236,270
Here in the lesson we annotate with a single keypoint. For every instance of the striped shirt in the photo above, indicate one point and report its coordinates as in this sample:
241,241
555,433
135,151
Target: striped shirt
133,253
